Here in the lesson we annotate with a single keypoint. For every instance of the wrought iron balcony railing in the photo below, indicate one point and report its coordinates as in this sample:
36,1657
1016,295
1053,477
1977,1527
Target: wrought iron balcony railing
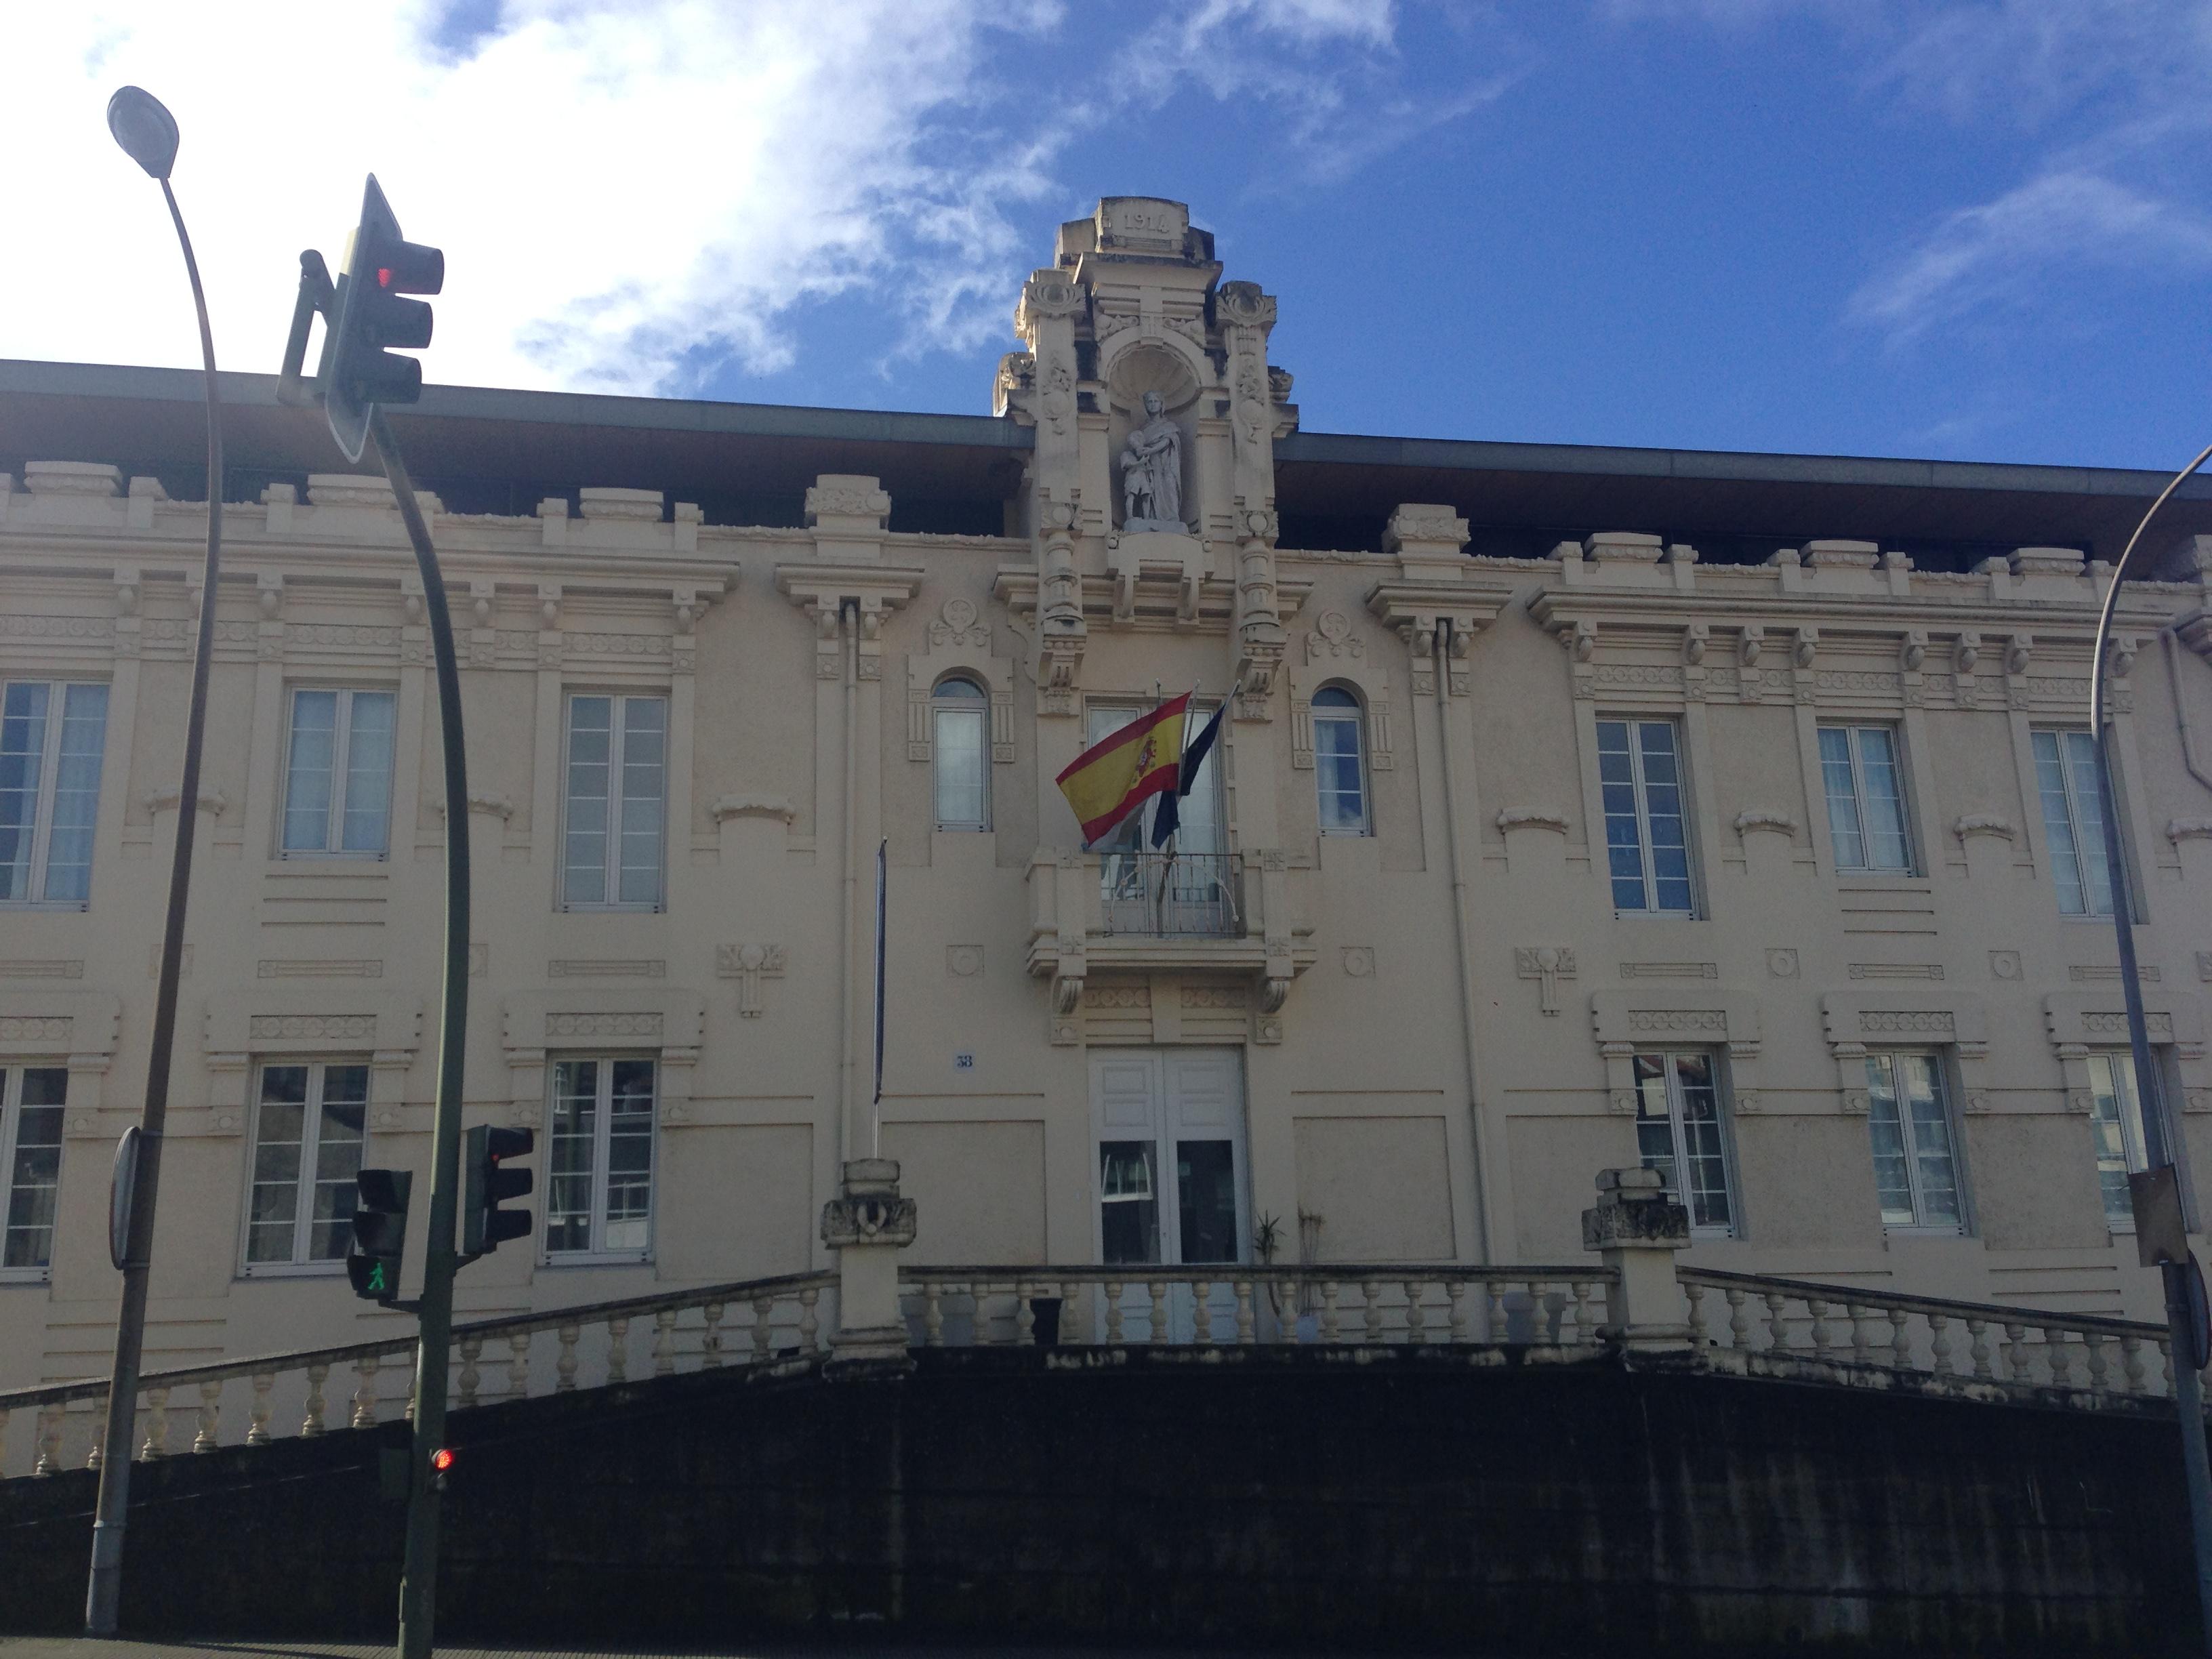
1162,895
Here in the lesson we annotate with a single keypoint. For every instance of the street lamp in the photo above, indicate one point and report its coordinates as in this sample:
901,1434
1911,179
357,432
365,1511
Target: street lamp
148,134
2161,1233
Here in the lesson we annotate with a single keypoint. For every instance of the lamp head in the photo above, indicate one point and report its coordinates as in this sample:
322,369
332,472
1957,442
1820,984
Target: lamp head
144,128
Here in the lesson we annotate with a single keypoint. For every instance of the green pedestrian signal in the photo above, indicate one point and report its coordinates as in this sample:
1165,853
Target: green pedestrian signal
379,1233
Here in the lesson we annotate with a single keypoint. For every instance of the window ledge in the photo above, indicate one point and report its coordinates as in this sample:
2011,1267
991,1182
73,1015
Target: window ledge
26,1275
63,906
295,1270
580,1259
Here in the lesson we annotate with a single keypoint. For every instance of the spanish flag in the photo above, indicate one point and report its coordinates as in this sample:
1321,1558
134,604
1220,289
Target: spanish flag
1107,782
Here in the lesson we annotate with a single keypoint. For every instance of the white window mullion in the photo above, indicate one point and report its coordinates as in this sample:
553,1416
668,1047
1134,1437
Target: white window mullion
50,781
617,722
303,1182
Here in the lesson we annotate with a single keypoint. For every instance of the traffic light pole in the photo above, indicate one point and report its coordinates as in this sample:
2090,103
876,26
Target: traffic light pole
418,1579
104,1591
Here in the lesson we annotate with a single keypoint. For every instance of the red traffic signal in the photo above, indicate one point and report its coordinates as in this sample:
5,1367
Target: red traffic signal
370,322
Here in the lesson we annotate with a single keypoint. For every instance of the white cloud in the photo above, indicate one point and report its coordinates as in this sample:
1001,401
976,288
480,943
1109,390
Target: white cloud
616,187
2000,252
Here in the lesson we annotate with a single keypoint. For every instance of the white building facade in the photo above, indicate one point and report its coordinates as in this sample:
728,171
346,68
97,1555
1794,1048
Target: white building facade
1745,826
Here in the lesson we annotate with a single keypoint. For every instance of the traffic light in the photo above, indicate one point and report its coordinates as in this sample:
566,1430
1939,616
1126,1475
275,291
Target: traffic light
484,1151
379,1233
369,317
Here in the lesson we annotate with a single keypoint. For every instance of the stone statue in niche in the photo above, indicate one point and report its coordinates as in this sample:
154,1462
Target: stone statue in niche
1151,472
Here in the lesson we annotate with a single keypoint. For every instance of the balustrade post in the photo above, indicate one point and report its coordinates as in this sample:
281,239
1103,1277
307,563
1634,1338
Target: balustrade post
471,1371
763,1326
618,1352
867,1225
210,1416
564,1368
156,1443
518,1366
1415,1336
1635,1229
49,1425
710,1345
364,1393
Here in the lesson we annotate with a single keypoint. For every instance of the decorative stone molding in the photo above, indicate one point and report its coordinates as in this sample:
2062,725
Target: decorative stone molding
824,590
1359,961
1984,823
165,800
1670,971
1781,962
1532,818
1335,655
497,806
749,964
1895,969
1628,1020
2180,830
666,1022
964,961
1901,1016
748,805
383,1025
1765,818
607,968
959,644
2078,1021
2004,964
1547,965
1418,610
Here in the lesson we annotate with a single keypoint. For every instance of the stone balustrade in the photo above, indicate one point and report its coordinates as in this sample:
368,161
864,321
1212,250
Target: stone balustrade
760,1323
2021,1349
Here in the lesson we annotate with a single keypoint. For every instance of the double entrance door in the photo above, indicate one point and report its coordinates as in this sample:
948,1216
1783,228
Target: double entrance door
1171,1179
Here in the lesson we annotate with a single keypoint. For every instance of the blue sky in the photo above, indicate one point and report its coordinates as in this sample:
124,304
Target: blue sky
1964,228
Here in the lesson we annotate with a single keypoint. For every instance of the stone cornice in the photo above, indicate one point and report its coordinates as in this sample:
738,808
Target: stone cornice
1658,609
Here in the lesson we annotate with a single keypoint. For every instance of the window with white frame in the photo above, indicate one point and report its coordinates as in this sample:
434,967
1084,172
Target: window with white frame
1859,775
2116,1126
310,1125
1646,836
1916,1165
52,738
1339,749
31,1101
1679,1133
338,772
2073,821
617,781
599,1200
960,748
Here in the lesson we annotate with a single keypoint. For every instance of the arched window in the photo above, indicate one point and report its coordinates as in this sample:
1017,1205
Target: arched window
960,718
1339,762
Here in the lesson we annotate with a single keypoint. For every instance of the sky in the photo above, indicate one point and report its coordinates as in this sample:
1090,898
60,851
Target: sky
1968,229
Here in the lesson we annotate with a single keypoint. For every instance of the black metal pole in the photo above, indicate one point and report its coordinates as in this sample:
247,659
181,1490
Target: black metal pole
103,1594
418,1580
2162,1145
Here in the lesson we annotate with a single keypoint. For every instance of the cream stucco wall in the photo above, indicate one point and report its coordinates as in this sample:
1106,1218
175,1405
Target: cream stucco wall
1343,988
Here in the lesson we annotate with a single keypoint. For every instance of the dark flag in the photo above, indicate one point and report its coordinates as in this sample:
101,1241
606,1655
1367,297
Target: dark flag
1167,817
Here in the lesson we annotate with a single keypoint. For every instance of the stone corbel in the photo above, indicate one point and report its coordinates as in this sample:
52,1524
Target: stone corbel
753,805
165,800
1970,825
497,806
690,604
1771,819
823,591
1419,610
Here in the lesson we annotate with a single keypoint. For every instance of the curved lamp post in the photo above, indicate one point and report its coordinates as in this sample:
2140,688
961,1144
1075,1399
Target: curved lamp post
148,134
2156,1196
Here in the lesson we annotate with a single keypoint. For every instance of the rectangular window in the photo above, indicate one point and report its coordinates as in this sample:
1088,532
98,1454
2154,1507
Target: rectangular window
1866,798
1647,846
617,785
52,738
2117,1125
338,772
1915,1170
1679,1133
310,1122
599,1200
2073,821
31,1101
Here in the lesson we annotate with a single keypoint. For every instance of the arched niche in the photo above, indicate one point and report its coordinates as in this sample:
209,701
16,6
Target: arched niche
1178,373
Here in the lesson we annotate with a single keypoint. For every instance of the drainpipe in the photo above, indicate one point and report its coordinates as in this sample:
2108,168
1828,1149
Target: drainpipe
2181,711
849,890
1463,934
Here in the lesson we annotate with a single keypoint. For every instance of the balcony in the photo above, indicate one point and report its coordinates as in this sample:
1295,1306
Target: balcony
1126,914
1168,895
